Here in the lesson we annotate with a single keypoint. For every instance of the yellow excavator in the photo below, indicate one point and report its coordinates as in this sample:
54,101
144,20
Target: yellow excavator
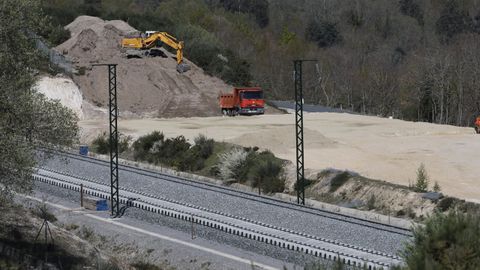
147,44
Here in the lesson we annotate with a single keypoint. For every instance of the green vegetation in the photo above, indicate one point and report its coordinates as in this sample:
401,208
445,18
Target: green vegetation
27,119
230,163
261,170
101,144
421,185
412,59
173,152
191,21
446,241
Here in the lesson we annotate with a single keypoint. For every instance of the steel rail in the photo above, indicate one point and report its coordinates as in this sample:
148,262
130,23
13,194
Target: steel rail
250,196
243,227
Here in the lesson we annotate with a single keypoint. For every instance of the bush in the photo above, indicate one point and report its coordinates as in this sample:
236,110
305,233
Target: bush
266,172
446,203
143,146
204,146
101,144
176,152
448,241
324,33
58,35
231,163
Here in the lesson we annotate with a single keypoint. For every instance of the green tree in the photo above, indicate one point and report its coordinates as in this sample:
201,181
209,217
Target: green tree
27,119
324,33
422,179
446,241
453,20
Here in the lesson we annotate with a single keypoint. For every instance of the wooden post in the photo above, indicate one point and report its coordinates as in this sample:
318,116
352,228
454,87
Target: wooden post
81,195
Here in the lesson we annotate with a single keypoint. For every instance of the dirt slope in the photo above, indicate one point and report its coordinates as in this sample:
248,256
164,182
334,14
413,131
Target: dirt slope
146,87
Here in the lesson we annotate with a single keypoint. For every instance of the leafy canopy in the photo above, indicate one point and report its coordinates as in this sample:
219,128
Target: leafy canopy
27,119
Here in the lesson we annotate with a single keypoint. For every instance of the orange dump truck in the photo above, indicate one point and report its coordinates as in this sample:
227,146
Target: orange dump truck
243,100
477,125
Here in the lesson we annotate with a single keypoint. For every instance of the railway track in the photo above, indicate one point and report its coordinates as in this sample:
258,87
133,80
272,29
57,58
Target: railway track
226,222
248,196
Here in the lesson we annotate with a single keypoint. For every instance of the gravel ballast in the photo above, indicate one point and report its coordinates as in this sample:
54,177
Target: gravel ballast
266,212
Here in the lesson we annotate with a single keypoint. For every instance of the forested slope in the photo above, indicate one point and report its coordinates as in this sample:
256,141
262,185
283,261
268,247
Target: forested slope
414,59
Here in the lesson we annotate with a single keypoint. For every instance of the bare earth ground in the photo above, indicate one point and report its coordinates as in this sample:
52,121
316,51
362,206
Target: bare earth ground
147,86
379,148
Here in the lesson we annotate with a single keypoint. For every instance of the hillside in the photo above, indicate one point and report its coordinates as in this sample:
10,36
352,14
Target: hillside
147,86
414,59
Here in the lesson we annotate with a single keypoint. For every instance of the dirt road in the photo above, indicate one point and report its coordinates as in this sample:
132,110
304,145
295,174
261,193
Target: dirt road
379,148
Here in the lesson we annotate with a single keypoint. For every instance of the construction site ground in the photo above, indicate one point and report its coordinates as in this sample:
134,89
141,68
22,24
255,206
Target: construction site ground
378,148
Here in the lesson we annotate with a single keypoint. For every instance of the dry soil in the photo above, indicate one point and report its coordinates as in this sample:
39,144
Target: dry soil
379,148
147,86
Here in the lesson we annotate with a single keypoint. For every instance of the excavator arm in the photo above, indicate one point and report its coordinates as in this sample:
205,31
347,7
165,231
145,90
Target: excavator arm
168,39
151,41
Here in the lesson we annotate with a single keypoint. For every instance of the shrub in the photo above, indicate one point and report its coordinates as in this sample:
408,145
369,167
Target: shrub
204,146
143,146
445,203
101,144
446,241
421,185
231,163
324,33
58,35
266,172
176,152
172,149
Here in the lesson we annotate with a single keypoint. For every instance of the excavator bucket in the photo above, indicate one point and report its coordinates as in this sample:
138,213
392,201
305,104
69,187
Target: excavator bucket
181,68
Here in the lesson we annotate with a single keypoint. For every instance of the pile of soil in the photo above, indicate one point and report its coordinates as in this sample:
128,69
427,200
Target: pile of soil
146,87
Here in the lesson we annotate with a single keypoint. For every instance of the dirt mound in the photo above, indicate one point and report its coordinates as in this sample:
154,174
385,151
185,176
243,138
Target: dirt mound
146,87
